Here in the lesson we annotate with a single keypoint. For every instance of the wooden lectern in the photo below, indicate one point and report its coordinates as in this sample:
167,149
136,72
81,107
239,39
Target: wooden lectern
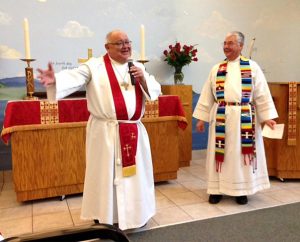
283,156
185,92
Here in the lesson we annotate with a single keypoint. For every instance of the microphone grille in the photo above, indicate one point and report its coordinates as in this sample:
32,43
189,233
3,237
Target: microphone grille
130,62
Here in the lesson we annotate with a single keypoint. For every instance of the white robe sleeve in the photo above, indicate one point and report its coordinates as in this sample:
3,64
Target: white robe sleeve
265,107
206,100
154,87
68,82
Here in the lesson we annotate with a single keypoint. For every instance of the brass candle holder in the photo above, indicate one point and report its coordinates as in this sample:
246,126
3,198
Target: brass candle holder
29,80
143,61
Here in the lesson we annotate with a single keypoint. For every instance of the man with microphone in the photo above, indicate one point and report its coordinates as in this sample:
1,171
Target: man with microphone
119,185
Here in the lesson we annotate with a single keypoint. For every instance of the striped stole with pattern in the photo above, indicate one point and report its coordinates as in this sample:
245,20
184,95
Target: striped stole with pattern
247,115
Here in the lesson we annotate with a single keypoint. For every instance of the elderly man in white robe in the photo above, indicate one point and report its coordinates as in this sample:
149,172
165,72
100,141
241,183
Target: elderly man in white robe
235,101
119,184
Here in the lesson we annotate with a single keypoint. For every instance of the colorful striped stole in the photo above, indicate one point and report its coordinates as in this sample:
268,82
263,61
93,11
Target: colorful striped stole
247,120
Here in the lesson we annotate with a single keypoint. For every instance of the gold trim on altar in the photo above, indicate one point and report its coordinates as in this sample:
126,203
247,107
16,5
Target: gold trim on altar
292,115
151,109
49,112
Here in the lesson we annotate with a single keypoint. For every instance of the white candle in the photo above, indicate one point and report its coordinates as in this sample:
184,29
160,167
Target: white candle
251,48
142,42
26,39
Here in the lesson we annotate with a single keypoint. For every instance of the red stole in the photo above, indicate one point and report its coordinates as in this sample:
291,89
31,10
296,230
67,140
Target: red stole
128,132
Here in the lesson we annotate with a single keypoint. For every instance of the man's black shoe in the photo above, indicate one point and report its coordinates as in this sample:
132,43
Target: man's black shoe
214,199
242,200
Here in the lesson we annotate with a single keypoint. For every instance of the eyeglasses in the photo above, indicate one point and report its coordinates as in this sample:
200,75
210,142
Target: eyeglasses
121,43
230,43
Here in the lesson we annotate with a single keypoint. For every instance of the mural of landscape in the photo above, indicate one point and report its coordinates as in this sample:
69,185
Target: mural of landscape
14,88
62,31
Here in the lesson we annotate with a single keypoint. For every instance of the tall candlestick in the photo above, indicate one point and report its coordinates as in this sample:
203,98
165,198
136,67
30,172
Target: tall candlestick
142,42
251,48
26,39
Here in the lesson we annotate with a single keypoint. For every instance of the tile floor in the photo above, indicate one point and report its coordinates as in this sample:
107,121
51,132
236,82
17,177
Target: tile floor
178,201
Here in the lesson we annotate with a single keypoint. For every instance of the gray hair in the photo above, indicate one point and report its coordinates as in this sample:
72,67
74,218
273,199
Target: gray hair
239,35
108,36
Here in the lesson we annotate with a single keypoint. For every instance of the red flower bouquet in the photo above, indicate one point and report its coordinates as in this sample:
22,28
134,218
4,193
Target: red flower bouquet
179,56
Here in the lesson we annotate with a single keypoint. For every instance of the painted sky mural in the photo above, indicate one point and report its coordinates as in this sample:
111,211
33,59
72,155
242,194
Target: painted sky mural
61,31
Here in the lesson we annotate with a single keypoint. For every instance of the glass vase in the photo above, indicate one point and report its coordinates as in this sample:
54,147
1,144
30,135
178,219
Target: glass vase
178,75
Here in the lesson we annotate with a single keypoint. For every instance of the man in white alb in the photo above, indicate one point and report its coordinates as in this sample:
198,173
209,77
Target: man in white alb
235,101
118,186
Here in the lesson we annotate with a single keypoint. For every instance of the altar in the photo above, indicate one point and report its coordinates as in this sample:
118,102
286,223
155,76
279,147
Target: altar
48,143
283,155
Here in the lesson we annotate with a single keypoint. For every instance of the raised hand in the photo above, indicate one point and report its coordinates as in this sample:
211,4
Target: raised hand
47,77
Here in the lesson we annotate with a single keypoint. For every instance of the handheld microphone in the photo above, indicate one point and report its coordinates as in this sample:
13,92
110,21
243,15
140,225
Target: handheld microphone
130,64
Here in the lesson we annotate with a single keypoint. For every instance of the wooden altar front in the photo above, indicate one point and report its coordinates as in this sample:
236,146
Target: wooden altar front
185,93
48,147
283,156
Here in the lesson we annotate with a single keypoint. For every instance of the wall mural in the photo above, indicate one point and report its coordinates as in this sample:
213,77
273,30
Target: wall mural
62,31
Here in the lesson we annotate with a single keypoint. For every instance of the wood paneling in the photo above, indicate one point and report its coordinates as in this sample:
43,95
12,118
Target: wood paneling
51,162
48,163
164,141
283,160
185,92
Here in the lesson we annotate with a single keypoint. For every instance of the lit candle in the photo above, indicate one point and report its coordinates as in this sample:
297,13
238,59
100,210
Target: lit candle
142,42
26,39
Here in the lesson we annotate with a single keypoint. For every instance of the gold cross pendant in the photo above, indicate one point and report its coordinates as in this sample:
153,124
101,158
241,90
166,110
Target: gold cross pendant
125,85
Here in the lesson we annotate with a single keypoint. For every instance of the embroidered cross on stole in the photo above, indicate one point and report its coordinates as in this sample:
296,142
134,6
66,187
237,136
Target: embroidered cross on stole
128,132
